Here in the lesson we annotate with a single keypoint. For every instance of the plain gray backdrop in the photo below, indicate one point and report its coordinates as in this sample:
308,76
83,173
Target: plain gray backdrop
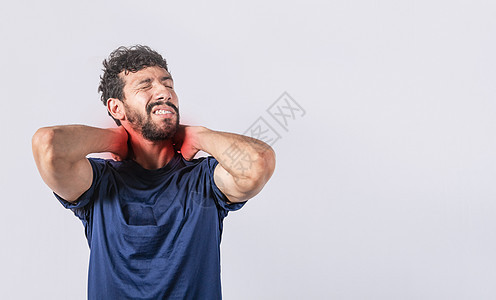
384,189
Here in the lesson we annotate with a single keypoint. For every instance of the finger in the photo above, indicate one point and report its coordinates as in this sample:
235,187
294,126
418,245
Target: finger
188,154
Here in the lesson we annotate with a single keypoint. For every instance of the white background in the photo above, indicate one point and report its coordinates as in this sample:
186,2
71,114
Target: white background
383,190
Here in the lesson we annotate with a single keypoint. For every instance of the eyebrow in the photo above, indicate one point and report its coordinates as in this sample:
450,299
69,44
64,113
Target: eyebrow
149,80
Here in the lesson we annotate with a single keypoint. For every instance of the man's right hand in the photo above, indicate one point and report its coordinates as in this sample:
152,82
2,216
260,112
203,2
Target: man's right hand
121,151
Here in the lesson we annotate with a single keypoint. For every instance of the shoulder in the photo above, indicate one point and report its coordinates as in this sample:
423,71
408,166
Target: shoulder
103,166
200,169
205,164
111,163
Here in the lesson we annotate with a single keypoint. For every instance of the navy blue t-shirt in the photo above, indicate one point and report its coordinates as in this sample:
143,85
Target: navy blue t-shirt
153,234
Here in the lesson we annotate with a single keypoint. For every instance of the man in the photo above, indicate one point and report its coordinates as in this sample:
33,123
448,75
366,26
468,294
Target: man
153,215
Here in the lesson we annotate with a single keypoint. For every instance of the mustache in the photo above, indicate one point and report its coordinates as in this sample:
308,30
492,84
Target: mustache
150,107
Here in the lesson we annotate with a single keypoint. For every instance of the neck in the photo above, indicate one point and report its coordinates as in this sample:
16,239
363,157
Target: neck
150,155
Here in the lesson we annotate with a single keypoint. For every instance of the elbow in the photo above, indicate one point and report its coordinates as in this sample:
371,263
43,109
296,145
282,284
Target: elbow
42,141
264,167
43,145
270,161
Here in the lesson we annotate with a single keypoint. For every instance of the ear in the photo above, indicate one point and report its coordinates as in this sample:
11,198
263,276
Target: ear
116,108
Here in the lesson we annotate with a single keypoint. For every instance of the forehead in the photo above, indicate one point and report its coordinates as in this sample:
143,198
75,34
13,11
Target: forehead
152,73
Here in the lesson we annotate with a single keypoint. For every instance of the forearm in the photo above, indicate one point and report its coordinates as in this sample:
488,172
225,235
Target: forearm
71,143
243,157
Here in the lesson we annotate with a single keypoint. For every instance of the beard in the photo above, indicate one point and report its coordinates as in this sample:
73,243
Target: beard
151,130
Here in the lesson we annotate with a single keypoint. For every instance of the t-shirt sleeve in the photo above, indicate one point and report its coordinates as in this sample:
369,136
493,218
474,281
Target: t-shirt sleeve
219,197
81,205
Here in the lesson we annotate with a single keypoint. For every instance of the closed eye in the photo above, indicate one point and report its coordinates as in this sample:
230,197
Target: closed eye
167,82
144,84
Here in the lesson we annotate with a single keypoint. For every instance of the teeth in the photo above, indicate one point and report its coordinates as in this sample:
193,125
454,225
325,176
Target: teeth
162,112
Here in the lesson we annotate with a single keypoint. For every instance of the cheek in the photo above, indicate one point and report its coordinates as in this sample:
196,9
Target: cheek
141,101
175,100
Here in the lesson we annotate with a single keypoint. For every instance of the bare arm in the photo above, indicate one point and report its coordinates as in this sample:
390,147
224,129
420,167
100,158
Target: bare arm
245,164
60,155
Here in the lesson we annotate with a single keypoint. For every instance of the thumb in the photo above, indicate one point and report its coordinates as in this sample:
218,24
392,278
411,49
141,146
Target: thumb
116,157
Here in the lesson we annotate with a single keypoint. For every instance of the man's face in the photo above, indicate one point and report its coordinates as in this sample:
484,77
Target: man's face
151,103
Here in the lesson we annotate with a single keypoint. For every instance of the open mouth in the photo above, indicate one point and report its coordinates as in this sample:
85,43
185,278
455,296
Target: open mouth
163,109
162,112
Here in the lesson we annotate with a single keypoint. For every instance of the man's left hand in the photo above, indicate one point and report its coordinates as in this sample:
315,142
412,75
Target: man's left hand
186,140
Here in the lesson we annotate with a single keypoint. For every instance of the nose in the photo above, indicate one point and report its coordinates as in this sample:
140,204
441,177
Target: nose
164,97
163,93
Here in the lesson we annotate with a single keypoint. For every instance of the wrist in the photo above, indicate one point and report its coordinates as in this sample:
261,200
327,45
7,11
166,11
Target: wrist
200,137
117,139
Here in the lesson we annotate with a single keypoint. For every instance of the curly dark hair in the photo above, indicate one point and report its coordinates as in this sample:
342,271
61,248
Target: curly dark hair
128,59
